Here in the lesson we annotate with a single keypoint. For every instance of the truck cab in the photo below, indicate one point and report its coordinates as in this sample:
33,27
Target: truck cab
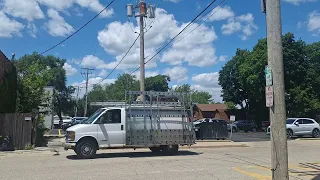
105,128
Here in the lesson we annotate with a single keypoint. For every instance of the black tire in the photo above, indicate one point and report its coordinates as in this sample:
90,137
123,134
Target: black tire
234,130
155,149
289,134
254,129
86,149
316,133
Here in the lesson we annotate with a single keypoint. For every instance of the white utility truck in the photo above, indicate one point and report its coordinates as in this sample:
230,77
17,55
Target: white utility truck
161,123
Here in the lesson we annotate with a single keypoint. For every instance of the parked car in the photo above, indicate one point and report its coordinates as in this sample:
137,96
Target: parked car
265,125
74,121
301,127
246,125
232,126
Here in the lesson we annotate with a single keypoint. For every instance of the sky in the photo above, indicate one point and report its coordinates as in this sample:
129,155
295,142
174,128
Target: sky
28,26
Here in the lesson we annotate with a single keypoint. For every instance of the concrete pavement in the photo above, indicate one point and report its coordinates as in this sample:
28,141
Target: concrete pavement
200,163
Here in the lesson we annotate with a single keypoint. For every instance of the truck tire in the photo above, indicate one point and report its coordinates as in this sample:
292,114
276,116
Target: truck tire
86,149
155,149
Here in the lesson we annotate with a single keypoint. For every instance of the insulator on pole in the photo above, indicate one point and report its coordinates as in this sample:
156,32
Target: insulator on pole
143,8
130,10
152,11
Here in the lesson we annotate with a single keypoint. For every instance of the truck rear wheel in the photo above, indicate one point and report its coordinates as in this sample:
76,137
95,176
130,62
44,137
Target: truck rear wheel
86,149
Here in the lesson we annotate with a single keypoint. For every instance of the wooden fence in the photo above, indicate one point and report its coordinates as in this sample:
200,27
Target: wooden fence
19,127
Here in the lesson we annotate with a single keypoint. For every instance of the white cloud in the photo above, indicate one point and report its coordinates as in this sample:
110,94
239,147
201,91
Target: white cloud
32,30
177,73
147,74
9,27
25,9
103,73
196,49
243,24
91,82
208,82
298,2
95,6
91,61
69,69
174,1
57,26
223,58
314,22
57,4
220,13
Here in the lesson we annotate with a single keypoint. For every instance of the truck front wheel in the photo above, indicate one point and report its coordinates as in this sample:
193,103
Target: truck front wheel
86,149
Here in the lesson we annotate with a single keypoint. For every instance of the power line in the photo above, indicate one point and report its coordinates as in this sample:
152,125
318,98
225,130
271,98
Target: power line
196,19
78,29
223,1
119,62
189,24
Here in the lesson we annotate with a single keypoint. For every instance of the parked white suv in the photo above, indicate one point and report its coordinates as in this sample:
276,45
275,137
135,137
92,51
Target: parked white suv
301,127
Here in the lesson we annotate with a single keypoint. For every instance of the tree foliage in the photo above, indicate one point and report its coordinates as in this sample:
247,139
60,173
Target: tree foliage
199,97
34,73
243,79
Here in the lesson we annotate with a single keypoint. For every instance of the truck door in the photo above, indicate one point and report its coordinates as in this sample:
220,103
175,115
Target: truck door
110,129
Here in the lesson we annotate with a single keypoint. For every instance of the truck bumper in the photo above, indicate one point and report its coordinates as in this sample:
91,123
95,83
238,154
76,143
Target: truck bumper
69,145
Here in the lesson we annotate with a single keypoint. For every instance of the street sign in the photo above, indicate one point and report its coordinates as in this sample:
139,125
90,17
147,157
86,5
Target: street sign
268,73
269,96
232,118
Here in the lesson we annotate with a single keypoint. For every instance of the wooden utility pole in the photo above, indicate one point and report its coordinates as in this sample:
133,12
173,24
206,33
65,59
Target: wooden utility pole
77,100
276,91
142,14
86,73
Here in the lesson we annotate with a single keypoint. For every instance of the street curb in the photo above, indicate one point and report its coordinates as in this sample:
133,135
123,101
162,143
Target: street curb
219,146
213,141
302,139
54,136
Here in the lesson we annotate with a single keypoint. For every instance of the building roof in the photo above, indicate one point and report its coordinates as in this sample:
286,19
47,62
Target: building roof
212,107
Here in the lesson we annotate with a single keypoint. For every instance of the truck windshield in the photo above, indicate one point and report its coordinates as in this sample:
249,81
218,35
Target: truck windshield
93,117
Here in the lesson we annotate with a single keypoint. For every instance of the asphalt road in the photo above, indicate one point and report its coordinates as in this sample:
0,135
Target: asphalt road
247,163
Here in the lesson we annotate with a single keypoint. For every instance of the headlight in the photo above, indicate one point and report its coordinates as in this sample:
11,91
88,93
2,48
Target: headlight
71,135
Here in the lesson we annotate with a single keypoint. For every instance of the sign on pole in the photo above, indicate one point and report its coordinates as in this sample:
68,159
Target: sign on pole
232,118
268,73
269,96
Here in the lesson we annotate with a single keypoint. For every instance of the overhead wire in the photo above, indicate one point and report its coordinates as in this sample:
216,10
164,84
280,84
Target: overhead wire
118,62
189,24
83,26
223,1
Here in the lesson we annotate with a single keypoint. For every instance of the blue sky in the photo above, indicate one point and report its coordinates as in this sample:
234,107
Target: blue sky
35,25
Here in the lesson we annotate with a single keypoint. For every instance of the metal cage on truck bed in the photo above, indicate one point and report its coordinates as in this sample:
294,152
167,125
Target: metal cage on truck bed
160,120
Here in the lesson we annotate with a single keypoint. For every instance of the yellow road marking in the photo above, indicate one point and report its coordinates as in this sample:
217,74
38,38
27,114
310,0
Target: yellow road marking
296,170
255,175
59,132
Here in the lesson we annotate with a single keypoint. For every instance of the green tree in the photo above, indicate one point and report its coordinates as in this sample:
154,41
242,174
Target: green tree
199,97
54,66
243,79
31,83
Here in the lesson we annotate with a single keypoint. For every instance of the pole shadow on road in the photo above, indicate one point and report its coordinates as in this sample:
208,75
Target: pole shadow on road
135,155
309,169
